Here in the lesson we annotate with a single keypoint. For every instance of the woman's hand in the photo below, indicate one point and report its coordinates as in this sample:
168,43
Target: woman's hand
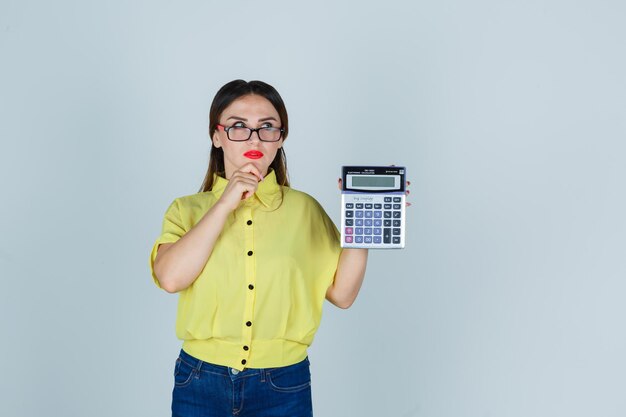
241,186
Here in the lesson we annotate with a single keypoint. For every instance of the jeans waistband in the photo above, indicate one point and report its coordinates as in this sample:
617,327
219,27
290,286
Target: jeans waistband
200,365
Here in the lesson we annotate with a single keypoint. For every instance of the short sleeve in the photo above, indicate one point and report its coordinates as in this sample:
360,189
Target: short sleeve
328,244
172,230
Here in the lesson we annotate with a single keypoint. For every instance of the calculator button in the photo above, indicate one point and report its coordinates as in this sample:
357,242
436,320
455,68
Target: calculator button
358,231
359,214
378,206
387,235
368,206
397,206
349,213
349,222
397,199
358,222
359,205
396,240
348,239
396,232
378,231
387,215
387,206
377,223
368,222
349,230
397,223
368,214
397,214
367,239
378,214
367,231
387,223
387,199
349,205
358,239
377,239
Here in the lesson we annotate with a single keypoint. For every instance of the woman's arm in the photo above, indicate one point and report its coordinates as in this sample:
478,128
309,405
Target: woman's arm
348,278
177,265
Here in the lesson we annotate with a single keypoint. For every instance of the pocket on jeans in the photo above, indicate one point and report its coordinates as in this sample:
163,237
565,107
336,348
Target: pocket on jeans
183,373
290,379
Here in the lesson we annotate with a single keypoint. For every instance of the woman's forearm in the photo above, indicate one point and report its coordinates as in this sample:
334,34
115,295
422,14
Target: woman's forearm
178,264
348,278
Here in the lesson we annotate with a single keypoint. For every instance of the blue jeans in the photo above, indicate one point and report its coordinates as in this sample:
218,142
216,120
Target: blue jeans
202,389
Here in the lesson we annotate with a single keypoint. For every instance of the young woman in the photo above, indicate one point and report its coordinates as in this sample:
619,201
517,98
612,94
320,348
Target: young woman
252,260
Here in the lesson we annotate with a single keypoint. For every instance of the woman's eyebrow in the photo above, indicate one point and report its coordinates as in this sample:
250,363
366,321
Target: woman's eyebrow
245,120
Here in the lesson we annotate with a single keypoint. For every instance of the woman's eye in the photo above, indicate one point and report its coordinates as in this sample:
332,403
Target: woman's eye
239,124
266,125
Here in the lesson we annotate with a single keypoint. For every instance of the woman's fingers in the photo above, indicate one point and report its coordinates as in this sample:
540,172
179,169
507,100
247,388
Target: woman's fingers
252,169
247,178
407,192
247,185
242,185
340,184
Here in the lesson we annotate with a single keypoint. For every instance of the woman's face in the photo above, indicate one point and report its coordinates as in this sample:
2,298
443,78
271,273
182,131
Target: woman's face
251,111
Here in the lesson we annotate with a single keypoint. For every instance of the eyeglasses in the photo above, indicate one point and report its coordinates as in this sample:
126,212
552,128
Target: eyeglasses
242,134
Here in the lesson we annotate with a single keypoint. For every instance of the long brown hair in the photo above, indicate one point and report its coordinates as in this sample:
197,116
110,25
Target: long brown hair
224,97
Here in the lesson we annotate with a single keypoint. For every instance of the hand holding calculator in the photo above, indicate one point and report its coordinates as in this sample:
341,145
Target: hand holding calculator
373,207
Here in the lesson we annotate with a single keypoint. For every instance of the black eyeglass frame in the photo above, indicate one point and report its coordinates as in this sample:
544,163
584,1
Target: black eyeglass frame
226,129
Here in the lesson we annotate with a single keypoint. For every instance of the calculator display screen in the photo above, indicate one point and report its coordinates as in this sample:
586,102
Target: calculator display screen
373,181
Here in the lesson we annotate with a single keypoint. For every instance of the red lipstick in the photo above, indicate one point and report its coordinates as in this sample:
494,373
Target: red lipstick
253,154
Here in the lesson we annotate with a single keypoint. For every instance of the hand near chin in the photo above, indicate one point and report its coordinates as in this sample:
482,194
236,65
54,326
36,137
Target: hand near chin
242,185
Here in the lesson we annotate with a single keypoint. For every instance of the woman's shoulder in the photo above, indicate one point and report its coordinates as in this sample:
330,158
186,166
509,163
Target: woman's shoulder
307,207
197,200
297,196
303,202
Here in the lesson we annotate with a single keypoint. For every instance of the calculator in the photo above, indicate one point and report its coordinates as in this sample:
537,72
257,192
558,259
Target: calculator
373,207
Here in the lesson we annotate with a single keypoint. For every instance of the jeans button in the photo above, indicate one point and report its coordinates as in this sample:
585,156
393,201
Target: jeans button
234,371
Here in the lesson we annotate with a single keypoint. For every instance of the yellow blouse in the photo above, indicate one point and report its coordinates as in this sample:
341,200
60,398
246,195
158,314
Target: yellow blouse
258,301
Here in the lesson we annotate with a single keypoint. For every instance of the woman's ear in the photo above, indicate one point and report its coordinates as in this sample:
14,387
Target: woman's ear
216,141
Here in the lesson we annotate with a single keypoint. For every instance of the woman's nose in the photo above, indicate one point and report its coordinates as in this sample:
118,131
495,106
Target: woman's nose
255,137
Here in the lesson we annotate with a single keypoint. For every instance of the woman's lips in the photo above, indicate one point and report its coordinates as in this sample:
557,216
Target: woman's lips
253,154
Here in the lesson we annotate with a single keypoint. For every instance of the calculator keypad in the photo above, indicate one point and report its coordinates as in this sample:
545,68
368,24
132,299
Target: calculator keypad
377,223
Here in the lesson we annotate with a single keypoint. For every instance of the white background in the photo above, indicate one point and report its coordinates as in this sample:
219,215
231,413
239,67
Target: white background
510,118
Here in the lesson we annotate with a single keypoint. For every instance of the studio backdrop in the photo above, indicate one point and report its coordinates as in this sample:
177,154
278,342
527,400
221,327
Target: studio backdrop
510,119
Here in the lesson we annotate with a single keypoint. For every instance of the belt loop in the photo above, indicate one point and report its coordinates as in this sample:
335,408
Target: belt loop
198,365
262,374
